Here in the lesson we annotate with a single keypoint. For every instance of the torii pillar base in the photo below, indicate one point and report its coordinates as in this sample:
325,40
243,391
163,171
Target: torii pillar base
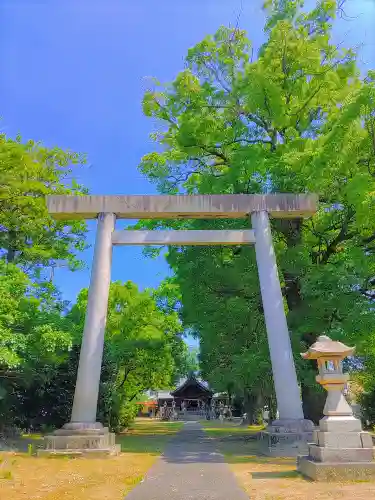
286,438
81,440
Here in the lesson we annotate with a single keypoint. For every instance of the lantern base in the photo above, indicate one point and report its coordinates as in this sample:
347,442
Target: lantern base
340,424
336,471
340,450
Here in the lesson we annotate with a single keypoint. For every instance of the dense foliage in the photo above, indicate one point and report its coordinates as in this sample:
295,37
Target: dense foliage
143,349
29,237
35,336
40,334
296,117
34,339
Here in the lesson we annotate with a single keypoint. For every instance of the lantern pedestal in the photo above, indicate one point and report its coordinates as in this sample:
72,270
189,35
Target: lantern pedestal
340,449
336,471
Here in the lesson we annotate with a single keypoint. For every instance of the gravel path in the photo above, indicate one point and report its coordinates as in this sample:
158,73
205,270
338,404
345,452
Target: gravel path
190,469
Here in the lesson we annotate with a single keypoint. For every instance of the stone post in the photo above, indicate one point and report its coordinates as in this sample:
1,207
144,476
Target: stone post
83,435
287,391
90,360
284,373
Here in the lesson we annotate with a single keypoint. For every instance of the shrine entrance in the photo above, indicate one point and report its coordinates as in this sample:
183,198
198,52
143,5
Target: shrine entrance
106,209
192,396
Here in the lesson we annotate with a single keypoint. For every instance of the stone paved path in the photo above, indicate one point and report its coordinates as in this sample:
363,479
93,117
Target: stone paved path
190,469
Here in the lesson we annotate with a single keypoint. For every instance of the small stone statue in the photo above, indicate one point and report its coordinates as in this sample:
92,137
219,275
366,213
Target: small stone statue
174,413
221,412
213,409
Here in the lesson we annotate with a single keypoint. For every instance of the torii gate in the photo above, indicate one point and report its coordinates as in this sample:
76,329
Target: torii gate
109,208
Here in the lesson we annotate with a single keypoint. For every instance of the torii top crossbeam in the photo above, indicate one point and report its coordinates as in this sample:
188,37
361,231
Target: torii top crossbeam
221,206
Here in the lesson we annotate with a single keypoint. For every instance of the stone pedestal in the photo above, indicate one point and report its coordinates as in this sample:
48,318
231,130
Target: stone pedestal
74,439
340,451
286,438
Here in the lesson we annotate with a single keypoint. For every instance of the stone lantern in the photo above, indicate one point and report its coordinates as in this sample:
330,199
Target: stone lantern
341,450
329,355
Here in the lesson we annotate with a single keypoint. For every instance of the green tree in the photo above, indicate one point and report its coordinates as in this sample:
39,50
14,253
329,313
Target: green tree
29,237
35,338
143,349
295,118
35,335
39,353
192,360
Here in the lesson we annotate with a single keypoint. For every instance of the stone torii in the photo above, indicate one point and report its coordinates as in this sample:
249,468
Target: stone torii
83,432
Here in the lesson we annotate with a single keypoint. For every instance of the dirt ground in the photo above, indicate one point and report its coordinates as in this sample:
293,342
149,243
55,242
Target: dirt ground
74,479
266,478
24,477
267,481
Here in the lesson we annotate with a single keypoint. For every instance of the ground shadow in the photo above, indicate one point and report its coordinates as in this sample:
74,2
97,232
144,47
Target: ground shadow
256,458
146,437
150,437
193,457
28,443
283,474
247,451
197,447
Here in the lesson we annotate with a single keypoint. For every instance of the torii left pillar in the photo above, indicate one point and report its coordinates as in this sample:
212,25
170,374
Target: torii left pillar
90,360
83,434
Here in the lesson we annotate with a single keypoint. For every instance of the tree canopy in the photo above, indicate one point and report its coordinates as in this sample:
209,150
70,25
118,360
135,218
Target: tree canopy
143,349
40,333
35,335
29,237
295,117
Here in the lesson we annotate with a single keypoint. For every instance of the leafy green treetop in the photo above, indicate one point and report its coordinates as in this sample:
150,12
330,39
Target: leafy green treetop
296,117
29,237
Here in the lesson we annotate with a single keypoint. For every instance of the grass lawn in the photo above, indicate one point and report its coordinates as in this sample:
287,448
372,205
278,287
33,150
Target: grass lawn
227,429
28,477
148,436
266,478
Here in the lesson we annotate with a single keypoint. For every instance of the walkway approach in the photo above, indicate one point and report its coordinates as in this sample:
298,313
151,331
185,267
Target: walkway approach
190,469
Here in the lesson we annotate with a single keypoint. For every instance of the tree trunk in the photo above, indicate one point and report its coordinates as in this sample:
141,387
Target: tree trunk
258,417
11,253
313,401
272,408
250,407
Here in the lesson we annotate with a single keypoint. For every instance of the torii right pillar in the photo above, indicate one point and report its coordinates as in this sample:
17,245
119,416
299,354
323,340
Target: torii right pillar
289,435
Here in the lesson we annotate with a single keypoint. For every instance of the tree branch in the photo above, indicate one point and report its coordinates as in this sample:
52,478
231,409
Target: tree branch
248,141
343,235
127,373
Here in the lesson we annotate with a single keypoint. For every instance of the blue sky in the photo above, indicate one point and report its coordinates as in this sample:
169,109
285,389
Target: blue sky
73,74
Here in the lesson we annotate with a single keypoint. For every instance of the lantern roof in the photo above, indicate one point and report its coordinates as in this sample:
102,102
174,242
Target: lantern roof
325,347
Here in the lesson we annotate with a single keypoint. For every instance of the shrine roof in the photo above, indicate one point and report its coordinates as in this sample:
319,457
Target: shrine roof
192,381
164,395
